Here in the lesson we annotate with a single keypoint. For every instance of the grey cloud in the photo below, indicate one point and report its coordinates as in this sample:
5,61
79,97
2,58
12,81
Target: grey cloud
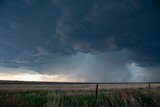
102,67
35,33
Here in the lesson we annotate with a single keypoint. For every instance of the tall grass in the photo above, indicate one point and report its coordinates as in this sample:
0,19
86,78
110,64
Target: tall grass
80,98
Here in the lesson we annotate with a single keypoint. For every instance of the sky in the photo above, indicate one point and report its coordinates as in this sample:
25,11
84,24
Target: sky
80,40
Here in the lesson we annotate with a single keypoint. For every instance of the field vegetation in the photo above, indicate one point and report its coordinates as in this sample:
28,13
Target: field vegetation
78,95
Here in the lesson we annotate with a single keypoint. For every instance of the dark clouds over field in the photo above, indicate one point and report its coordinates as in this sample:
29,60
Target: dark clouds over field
112,40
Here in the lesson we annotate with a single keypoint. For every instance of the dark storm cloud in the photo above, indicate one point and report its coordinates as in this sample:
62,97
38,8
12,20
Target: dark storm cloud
101,26
38,34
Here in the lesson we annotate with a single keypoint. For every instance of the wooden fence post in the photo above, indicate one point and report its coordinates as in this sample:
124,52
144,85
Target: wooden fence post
96,95
149,87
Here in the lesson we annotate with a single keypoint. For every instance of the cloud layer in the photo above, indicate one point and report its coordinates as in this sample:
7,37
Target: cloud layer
83,37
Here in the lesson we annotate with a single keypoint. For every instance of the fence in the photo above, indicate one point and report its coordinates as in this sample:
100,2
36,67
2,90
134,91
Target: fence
78,83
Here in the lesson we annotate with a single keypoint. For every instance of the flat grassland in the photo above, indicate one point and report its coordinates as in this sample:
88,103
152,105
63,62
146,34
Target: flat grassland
45,94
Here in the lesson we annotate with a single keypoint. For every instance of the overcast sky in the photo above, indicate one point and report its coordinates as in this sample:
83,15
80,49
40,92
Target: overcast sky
83,40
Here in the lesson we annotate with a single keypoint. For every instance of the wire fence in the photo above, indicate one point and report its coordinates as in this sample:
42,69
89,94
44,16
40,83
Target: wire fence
77,85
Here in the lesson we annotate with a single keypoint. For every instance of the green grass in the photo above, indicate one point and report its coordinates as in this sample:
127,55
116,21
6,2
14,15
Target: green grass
110,98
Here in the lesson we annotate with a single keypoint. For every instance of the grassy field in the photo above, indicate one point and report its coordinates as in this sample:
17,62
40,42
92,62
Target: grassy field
32,94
